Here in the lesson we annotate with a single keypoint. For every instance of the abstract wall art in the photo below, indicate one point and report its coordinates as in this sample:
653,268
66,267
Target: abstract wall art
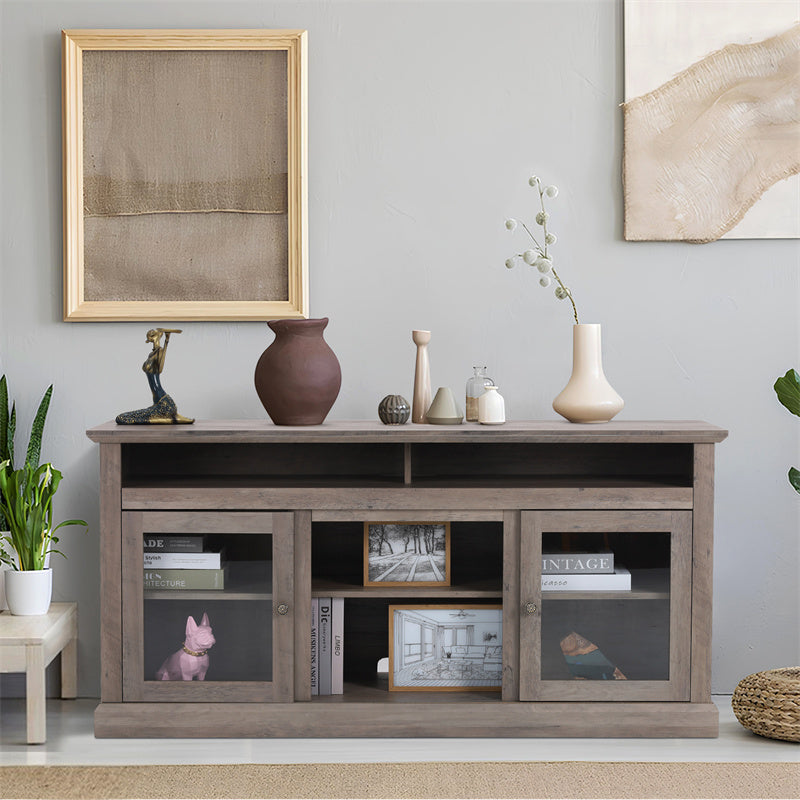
712,119
184,174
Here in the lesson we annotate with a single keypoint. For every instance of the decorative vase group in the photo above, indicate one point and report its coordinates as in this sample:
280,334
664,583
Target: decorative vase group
298,376
588,396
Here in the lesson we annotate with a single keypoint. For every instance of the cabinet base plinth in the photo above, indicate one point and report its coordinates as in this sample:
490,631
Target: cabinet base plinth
407,720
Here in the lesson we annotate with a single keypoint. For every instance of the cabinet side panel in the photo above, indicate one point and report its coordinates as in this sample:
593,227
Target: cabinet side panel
702,571
302,605
110,573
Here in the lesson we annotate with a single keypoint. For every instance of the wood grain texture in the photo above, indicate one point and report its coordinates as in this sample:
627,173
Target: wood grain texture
192,522
665,485
35,697
680,612
363,515
413,719
132,551
245,430
302,604
530,605
702,572
678,523
511,605
138,687
283,640
111,572
343,498
28,644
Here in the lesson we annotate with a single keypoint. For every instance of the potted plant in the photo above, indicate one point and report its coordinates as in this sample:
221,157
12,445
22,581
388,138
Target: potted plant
788,390
26,513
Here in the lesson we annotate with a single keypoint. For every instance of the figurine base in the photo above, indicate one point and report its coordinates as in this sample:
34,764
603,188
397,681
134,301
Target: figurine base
164,412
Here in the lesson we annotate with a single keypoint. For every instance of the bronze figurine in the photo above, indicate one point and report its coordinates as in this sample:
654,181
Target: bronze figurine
163,409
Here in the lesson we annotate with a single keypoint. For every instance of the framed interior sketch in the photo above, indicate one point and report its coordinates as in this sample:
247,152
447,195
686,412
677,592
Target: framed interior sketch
445,648
407,554
184,174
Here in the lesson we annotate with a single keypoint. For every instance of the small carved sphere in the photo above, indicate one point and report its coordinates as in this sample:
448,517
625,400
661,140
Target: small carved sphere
394,410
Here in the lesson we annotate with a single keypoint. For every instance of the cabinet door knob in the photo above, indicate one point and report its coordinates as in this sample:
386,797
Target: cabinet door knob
530,608
283,609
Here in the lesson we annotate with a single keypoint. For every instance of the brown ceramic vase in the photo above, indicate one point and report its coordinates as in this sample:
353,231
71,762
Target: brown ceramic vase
298,376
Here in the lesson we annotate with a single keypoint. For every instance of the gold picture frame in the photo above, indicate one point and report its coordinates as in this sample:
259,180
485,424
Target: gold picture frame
422,566
187,201
446,648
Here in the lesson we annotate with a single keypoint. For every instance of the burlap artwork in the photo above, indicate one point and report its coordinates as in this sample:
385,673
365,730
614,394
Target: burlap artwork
185,175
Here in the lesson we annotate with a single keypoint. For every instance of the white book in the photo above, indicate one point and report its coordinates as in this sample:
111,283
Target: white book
618,581
314,654
183,560
324,645
337,652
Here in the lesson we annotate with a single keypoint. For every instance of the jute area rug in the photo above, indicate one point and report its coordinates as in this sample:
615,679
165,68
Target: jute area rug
562,779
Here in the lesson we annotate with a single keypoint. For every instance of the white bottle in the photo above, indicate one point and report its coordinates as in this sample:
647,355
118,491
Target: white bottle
491,407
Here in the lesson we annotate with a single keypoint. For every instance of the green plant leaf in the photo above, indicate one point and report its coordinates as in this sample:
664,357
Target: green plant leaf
794,478
37,429
4,412
12,430
788,390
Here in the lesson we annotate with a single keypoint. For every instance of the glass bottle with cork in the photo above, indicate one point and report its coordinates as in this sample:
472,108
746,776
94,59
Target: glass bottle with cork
475,388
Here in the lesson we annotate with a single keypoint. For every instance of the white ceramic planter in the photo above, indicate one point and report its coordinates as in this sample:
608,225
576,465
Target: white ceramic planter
588,397
28,592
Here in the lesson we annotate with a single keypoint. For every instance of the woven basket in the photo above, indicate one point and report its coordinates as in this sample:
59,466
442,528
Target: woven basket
768,703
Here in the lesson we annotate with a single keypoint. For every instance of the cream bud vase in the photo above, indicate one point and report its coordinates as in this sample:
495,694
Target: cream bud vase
588,397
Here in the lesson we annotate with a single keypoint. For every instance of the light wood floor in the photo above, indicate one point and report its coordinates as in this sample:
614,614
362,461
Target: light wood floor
70,741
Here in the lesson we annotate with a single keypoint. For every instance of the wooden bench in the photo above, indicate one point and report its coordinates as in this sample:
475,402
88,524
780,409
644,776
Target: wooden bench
29,644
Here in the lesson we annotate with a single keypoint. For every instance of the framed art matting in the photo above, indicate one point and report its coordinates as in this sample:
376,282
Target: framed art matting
184,174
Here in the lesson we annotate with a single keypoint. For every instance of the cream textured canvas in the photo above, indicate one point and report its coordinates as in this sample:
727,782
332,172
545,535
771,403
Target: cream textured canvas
712,119
185,167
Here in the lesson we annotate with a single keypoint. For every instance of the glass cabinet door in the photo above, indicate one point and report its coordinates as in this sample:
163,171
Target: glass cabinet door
207,606
606,605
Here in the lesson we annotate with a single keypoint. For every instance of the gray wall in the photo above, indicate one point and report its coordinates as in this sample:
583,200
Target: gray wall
426,120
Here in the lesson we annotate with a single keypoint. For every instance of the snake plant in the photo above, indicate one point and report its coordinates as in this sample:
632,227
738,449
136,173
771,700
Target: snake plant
788,390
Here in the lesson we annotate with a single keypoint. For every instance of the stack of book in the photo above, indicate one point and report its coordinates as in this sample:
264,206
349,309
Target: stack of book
327,645
583,572
181,563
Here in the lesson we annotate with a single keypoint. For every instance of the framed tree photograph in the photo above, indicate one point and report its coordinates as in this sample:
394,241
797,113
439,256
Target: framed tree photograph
445,648
185,174
407,554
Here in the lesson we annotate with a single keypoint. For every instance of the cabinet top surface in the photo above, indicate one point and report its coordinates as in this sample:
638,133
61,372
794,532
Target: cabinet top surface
249,430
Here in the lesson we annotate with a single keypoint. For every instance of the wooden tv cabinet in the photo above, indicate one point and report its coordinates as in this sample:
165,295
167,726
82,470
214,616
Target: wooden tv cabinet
289,504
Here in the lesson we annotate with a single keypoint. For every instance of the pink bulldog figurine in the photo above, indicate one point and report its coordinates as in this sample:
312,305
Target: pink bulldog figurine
192,659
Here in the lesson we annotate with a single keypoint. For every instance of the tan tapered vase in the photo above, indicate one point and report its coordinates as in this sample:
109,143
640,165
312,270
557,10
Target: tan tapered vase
421,400
588,397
